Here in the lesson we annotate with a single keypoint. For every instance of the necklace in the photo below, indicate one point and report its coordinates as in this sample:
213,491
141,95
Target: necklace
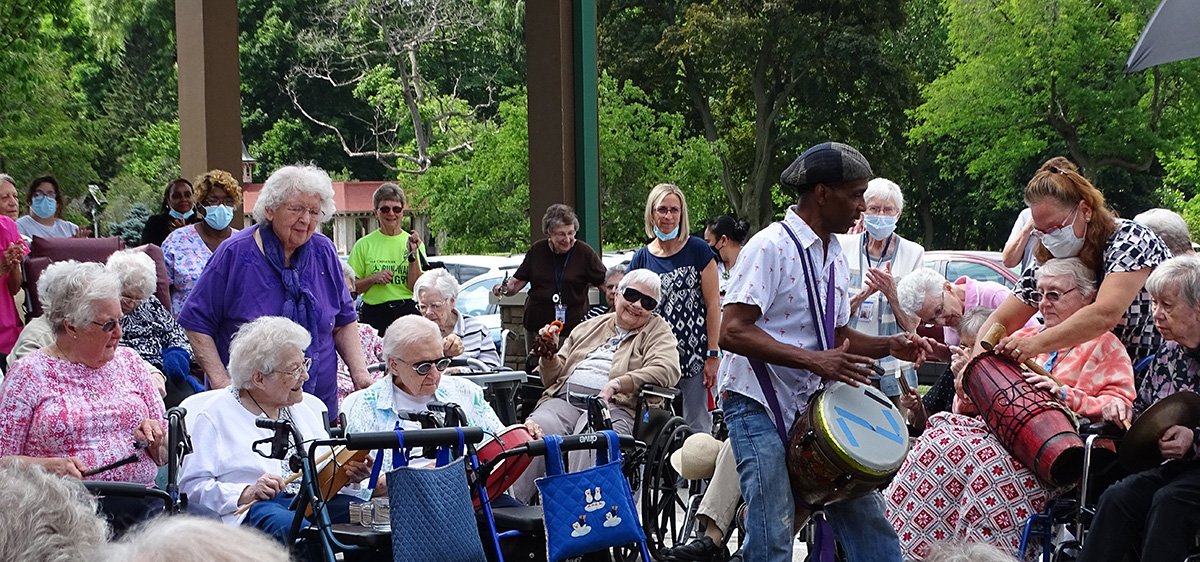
264,410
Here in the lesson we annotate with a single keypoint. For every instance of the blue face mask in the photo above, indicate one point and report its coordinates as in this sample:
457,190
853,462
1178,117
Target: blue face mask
43,206
218,217
879,226
181,216
666,236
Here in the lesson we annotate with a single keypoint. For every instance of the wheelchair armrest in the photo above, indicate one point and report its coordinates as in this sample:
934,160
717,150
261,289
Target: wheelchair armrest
659,391
1103,429
127,490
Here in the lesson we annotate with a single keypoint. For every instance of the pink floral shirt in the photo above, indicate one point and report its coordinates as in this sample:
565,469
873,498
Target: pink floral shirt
51,407
1095,373
372,346
185,255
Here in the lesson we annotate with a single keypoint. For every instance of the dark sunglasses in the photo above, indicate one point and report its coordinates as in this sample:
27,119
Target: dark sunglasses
385,209
634,295
423,367
107,327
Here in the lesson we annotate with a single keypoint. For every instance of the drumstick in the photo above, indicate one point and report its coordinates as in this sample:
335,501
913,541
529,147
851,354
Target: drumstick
993,335
286,481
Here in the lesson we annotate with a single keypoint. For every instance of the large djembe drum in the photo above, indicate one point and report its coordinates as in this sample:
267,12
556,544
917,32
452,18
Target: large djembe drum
1037,429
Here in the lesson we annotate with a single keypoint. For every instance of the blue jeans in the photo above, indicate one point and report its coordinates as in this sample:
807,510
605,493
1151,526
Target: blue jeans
860,524
274,518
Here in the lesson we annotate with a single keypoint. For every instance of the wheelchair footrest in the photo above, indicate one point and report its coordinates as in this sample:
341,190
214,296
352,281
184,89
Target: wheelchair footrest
357,535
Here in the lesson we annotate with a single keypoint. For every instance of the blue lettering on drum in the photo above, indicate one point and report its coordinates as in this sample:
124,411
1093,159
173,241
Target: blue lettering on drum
893,434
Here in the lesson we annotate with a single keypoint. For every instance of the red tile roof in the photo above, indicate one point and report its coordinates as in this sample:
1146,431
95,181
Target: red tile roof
348,196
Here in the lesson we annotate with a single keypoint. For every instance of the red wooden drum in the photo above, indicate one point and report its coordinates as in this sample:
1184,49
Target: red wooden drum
847,442
1034,427
504,474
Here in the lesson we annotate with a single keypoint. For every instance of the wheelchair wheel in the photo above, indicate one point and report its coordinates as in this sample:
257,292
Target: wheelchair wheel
662,505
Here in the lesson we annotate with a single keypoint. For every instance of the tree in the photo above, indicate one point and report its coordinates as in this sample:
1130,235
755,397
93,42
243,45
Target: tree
761,78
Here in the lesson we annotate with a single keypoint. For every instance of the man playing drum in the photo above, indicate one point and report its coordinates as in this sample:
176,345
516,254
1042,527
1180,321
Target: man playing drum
786,309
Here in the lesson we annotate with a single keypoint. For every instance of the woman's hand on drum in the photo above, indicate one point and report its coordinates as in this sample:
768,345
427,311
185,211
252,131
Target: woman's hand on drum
1044,383
838,364
452,346
1176,442
358,471
265,488
1020,348
910,347
535,430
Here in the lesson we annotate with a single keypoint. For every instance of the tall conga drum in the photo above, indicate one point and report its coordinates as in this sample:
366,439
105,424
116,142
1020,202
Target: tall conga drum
1037,429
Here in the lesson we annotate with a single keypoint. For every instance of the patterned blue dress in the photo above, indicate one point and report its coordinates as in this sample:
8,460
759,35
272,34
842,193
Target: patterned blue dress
682,303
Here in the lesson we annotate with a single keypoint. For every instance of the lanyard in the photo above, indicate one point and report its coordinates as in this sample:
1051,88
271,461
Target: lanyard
560,274
883,257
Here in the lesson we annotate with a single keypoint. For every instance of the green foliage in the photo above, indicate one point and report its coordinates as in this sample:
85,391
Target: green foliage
130,229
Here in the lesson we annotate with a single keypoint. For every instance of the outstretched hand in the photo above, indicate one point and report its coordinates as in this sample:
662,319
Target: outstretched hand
910,347
838,364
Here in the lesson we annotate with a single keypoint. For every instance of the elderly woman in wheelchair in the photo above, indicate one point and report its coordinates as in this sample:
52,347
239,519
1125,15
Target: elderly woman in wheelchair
226,475
958,481
610,356
83,399
1159,508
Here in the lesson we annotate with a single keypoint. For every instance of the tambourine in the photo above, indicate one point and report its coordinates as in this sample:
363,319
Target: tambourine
508,470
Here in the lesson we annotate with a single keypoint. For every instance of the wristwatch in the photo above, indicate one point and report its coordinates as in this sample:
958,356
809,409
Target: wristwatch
412,257
712,353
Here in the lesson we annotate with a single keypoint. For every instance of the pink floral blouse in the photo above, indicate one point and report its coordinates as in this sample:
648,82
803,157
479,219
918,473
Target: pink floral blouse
51,407
372,346
185,255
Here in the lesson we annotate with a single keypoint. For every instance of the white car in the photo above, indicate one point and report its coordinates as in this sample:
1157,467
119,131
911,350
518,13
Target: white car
476,276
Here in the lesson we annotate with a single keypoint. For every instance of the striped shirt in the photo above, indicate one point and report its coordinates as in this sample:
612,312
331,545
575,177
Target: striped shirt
476,339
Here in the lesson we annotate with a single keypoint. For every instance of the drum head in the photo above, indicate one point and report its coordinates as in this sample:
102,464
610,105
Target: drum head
864,428
506,472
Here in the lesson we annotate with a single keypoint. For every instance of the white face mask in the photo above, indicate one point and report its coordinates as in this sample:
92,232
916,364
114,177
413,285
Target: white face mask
1063,243
879,226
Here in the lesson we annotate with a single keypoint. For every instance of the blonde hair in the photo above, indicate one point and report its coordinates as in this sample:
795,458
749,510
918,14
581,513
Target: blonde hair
215,178
660,192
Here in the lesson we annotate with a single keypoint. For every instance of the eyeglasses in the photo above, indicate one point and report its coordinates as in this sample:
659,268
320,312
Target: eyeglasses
939,313
299,371
1070,220
109,326
227,201
668,210
633,295
435,306
880,210
301,209
130,301
399,210
1051,296
49,194
423,367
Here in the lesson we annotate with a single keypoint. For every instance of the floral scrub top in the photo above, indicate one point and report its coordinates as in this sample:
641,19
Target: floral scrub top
372,346
185,254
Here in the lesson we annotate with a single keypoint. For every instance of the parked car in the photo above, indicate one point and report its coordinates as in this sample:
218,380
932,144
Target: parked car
980,266
467,267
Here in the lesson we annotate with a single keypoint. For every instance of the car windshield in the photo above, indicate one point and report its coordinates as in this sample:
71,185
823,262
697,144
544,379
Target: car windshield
473,297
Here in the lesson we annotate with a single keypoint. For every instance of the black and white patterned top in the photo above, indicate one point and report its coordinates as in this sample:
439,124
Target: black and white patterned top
1130,248
682,303
149,329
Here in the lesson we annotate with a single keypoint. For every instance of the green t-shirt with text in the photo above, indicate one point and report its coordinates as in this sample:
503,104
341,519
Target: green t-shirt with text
376,252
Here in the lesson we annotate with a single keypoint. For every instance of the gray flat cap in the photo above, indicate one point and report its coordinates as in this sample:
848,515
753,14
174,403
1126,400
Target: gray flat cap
828,163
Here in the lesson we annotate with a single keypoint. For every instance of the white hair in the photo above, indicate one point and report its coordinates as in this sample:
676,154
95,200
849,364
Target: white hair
135,269
1169,226
69,291
1084,278
916,287
258,345
644,277
45,517
1180,274
972,321
349,275
295,180
408,331
439,280
7,178
884,188
966,551
195,539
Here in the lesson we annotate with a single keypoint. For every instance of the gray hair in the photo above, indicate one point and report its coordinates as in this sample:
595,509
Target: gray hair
295,180
9,179
972,321
389,192
643,277
208,540
45,517
885,189
349,275
558,215
966,551
1180,274
135,269
614,270
408,331
439,280
916,287
69,291
1169,226
1084,278
257,346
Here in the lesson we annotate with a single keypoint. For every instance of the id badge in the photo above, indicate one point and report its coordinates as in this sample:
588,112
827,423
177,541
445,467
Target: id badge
866,309
560,313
